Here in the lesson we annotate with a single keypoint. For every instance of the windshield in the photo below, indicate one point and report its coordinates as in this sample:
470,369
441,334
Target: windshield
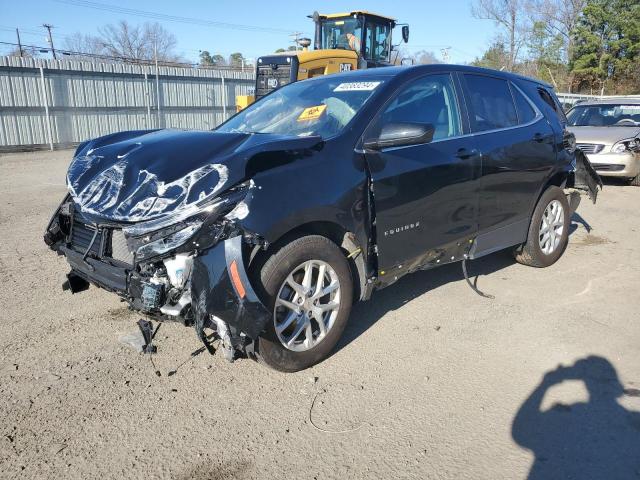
342,33
614,115
322,106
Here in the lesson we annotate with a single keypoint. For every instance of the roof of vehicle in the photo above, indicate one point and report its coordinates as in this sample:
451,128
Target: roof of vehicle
354,12
435,67
610,101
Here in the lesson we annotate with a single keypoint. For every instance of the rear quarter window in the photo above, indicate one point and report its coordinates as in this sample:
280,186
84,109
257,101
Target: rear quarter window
551,101
526,112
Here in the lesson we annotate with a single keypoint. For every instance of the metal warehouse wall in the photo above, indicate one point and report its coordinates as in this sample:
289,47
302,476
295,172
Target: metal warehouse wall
48,103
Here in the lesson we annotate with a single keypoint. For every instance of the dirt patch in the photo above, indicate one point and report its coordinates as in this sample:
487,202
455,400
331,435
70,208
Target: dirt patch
591,240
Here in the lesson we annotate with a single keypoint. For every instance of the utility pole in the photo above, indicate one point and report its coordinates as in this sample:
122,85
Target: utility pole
49,27
155,56
295,35
445,54
19,43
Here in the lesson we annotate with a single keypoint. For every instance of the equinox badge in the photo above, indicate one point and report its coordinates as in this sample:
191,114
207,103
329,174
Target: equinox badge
403,228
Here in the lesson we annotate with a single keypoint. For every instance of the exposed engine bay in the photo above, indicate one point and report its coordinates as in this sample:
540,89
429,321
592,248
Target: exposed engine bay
146,236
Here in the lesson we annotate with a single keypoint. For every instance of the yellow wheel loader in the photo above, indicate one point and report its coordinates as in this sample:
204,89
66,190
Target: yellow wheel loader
343,42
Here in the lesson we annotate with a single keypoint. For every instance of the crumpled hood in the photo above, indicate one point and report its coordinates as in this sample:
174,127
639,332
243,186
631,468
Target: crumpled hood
603,135
144,175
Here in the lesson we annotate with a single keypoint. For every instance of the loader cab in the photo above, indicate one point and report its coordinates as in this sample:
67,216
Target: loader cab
367,34
343,41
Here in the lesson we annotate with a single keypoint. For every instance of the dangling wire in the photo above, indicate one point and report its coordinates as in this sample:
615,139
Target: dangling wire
471,284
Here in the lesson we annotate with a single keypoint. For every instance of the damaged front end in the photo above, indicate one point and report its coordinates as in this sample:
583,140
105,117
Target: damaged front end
187,265
192,271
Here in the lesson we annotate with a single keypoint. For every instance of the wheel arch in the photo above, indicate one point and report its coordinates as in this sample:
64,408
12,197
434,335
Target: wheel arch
343,238
558,179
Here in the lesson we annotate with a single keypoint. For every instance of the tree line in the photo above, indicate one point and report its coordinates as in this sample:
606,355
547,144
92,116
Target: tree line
586,46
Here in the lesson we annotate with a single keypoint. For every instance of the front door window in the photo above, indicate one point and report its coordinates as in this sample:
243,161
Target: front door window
431,100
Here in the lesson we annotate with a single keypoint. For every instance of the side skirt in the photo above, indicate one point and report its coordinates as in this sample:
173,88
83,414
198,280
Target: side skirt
500,238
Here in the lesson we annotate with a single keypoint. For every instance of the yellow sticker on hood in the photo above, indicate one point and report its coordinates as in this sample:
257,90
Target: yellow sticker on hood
312,113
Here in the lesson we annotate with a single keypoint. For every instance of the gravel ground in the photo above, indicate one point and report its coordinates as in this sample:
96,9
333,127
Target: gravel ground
430,381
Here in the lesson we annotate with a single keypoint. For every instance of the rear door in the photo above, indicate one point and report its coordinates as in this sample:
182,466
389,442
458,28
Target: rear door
518,154
424,195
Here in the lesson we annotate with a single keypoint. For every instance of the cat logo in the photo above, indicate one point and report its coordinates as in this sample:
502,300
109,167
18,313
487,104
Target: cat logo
345,67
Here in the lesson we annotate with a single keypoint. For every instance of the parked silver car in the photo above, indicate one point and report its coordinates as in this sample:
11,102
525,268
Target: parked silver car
608,132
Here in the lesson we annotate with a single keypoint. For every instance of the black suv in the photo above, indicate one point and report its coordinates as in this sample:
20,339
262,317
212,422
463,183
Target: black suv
264,231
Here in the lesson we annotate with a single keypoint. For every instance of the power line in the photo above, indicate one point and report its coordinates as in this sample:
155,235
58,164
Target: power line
169,18
123,59
35,33
71,38
185,51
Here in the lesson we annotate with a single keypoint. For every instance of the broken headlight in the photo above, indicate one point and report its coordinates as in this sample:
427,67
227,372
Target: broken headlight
202,225
630,144
168,243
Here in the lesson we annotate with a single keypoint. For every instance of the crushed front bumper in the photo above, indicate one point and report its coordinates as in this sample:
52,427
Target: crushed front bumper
220,288
216,287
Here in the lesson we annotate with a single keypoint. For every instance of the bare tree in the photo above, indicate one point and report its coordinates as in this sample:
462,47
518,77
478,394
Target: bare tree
508,14
83,47
30,52
423,57
126,42
560,17
138,42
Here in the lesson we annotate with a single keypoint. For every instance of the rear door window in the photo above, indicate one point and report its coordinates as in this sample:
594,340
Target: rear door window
491,102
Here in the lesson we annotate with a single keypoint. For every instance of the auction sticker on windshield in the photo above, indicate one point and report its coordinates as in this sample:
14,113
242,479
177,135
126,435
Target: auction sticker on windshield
356,86
311,113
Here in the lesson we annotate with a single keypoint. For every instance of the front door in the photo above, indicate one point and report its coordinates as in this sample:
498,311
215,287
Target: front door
424,195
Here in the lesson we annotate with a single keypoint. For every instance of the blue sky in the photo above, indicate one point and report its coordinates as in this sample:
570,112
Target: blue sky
434,24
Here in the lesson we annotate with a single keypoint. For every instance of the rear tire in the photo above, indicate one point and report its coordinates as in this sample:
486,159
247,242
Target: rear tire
548,230
280,282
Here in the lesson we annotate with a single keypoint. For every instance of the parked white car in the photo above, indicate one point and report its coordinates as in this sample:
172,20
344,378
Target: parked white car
608,132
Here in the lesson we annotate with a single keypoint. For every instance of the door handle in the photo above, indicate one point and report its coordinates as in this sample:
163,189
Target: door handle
465,153
538,137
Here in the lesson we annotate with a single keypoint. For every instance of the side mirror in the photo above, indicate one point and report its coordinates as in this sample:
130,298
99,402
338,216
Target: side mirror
401,134
405,33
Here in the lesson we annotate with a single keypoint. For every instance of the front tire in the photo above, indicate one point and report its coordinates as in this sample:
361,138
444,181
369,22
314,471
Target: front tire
548,231
308,286
635,181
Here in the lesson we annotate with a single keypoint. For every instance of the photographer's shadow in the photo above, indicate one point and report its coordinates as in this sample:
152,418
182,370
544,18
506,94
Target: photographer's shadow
598,439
